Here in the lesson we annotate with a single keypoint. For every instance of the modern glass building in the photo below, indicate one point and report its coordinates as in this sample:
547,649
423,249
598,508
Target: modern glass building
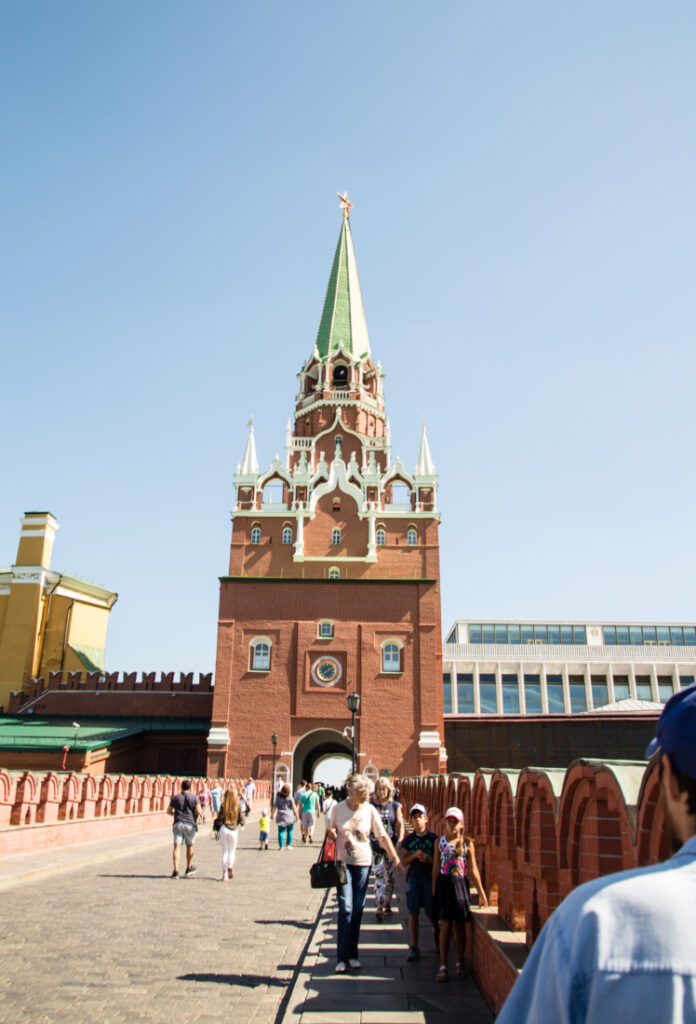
503,667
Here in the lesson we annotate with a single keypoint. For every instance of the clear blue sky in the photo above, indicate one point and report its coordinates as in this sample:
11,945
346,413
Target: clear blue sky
523,179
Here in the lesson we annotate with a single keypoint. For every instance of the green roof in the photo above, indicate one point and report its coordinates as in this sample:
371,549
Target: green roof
343,324
29,732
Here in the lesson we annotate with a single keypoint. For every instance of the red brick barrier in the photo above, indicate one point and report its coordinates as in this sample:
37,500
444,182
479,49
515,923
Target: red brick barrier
39,812
538,833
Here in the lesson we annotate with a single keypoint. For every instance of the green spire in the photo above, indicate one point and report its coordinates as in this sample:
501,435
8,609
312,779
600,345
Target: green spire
343,323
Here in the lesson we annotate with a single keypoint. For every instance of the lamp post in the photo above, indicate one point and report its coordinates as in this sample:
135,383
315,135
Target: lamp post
353,706
274,741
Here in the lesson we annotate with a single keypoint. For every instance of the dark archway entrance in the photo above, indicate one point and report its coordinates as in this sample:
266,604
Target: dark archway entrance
313,747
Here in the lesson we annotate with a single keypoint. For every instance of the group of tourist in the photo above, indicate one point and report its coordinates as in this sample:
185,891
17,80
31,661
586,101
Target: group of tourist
619,945
371,834
230,810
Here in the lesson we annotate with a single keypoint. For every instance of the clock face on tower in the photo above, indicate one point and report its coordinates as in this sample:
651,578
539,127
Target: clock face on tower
326,671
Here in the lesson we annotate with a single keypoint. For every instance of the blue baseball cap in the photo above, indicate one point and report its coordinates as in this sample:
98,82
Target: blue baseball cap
676,731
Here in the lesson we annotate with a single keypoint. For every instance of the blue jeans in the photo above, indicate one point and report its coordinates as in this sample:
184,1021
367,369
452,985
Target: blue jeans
351,900
285,831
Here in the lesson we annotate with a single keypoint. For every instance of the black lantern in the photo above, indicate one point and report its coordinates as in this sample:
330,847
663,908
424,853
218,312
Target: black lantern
353,706
274,741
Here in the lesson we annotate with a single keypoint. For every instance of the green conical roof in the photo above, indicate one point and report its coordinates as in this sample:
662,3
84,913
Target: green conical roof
343,323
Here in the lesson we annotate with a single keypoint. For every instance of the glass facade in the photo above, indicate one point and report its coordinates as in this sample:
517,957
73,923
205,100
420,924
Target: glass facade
511,695
554,693
447,692
507,633
650,636
643,688
489,703
465,693
622,690
600,692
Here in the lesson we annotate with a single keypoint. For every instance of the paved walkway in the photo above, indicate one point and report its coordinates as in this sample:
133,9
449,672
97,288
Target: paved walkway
100,932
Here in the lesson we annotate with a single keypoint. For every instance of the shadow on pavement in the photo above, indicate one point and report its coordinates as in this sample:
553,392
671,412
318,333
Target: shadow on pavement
295,924
244,980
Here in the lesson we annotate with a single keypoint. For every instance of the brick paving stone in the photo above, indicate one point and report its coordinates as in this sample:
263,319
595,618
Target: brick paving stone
118,940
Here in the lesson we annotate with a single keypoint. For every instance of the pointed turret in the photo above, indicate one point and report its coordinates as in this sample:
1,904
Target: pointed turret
250,464
425,465
343,323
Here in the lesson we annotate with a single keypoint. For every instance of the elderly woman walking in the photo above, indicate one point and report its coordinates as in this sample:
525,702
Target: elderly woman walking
350,823
392,818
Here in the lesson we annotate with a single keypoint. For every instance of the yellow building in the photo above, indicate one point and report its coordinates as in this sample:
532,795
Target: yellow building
48,621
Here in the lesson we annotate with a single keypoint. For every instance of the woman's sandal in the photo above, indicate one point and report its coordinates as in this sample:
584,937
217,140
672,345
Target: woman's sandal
441,974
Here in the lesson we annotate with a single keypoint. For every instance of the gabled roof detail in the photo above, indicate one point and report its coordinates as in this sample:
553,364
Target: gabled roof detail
425,465
343,323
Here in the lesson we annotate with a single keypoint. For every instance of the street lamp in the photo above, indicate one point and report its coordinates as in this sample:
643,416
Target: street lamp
353,706
274,741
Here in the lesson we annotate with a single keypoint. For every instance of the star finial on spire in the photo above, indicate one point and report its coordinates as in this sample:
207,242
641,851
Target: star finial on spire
346,205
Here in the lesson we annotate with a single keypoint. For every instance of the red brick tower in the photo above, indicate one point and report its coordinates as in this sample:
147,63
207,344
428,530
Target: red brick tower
333,584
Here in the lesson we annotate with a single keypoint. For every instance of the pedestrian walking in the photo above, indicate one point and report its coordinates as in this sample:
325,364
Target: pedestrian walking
417,852
230,818
392,818
249,792
623,947
187,811
309,807
263,830
203,799
285,811
215,799
454,862
351,823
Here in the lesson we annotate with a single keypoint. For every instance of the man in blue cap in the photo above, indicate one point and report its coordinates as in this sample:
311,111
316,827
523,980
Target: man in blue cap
623,947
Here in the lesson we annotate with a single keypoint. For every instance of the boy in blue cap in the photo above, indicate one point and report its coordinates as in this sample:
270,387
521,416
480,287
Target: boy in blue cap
623,947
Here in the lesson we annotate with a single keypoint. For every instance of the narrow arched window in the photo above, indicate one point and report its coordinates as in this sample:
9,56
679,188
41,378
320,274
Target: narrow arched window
391,657
260,654
287,535
412,536
381,536
334,573
256,535
336,536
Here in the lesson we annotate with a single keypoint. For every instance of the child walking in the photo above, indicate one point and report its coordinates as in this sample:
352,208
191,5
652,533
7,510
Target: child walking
263,830
454,862
417,852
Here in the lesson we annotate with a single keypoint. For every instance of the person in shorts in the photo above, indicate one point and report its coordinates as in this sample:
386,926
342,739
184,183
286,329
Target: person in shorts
187,812
417,850
263,830
309,806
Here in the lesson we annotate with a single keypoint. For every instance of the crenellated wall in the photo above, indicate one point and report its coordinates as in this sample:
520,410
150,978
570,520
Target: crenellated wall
42,811
112,693
538,833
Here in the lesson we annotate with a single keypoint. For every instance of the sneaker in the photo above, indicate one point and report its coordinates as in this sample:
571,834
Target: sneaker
191,871
413,954
289,847
354,965
340,967
224,877
174,874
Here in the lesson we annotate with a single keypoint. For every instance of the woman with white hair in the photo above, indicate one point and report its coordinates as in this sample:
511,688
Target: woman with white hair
351,823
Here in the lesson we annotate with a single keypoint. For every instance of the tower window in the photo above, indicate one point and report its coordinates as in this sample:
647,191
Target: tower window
391,657
381,536
412,536
260,654
336,536
326,630
334,573
256,535
287,535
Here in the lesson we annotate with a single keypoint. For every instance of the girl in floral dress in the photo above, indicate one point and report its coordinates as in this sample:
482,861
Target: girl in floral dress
453,864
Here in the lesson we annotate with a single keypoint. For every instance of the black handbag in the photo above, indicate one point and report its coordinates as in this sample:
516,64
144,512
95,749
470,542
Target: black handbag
327,871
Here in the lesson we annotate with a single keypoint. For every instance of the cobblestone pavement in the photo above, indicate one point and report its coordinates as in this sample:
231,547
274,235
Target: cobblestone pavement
120,941
117,940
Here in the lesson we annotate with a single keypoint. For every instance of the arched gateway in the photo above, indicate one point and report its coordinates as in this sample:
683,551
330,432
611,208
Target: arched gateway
333,584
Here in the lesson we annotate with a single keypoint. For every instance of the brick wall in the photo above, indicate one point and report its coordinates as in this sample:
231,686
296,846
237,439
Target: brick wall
110,694
538,833
39,812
